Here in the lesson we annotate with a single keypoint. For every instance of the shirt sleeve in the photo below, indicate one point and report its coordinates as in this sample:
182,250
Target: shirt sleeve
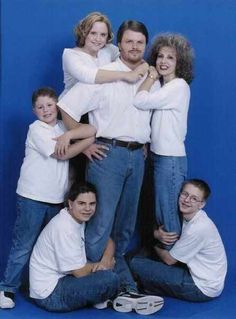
80,99
114,52
170,96
41,139
77,69
69,251
189,244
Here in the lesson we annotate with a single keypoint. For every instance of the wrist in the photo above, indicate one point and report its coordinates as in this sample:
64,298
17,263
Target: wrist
152,77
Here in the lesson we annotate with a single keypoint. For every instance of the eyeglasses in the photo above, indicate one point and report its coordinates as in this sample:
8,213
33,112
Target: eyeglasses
193,199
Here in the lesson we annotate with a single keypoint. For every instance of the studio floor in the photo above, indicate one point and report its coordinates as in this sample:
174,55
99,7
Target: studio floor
220,308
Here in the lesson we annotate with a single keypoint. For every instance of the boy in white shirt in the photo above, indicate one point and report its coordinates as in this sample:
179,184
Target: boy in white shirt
42,184
195,268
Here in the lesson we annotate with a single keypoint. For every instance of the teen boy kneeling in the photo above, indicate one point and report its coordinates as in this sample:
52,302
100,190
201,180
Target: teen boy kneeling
195,268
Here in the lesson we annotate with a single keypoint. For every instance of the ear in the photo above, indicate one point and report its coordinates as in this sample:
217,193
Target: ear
70,203
202,205
118,44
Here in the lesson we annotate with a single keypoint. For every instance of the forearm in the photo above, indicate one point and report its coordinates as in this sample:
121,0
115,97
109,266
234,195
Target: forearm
147,84
109,252
106,76
76,148
84,271
165,256
81,131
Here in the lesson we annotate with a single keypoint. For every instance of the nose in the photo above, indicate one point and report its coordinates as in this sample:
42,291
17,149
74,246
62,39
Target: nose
98,37
87,207
187,198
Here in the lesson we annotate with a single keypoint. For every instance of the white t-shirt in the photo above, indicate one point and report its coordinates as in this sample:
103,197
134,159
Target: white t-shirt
169,120
79,66
60,248
42,177
201,248
110,107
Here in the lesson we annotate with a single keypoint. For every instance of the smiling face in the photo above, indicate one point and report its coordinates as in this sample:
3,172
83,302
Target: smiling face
46,110
96,38
166,63
191,200
132,47
83,207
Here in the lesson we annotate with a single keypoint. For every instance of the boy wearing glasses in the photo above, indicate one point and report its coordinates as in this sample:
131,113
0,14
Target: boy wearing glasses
195,268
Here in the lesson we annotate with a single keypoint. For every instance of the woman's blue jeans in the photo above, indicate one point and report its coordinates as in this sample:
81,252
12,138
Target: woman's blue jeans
169,174
31,217
72,293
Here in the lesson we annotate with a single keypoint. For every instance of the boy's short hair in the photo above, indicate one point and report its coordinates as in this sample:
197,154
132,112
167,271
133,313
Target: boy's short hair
200,184
45,91
79,188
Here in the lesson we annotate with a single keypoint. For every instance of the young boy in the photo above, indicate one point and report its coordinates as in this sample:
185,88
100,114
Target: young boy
195,268
42,184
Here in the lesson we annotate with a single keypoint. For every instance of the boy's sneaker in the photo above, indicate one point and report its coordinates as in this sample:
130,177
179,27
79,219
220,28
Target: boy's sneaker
142,304
103,305
6,300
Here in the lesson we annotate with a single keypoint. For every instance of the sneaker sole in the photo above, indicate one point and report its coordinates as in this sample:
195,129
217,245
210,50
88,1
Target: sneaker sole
143,306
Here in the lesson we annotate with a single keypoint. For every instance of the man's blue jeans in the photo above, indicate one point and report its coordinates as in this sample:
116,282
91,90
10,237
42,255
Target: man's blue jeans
155,277
169,174
118,179
31,216
72,293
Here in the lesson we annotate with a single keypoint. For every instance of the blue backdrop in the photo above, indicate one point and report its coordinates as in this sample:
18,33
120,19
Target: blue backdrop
34,34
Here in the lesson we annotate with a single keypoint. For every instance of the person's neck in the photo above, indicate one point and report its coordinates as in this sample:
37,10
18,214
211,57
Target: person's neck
132,66
188,217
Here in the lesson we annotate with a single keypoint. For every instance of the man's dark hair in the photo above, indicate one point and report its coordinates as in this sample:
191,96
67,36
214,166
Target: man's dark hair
132,25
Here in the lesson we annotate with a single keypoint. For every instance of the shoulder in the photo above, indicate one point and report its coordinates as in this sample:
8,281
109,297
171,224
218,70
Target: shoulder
180,83
111,48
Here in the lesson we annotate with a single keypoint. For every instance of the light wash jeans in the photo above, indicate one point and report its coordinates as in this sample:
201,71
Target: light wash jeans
155,277
31,216
169,174
72,293
118,179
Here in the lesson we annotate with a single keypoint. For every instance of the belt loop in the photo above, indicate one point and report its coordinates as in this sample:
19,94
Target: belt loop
113,142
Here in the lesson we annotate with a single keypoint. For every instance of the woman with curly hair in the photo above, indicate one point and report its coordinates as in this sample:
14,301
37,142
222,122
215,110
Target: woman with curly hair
166,91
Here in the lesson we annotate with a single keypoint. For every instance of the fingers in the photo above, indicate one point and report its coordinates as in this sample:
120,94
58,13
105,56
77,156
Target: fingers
96,151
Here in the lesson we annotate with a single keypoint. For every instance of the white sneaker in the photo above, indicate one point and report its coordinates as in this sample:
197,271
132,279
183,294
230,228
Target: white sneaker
142,304
103,305
6,302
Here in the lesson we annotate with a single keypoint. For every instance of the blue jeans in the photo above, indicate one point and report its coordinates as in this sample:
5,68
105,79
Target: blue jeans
169,174
72,293
31,216
155,277
118,179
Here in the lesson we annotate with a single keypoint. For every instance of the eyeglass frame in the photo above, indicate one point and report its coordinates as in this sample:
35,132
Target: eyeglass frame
192,198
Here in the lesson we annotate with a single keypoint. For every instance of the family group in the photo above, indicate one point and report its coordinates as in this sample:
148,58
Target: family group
76,236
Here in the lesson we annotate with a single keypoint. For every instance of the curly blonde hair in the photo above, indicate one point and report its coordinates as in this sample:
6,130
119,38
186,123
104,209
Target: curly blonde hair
184,53
83,28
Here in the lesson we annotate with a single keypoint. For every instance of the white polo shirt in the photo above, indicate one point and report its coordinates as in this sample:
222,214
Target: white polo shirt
60,248
201,248
111,108
79,66
42,177
169,120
